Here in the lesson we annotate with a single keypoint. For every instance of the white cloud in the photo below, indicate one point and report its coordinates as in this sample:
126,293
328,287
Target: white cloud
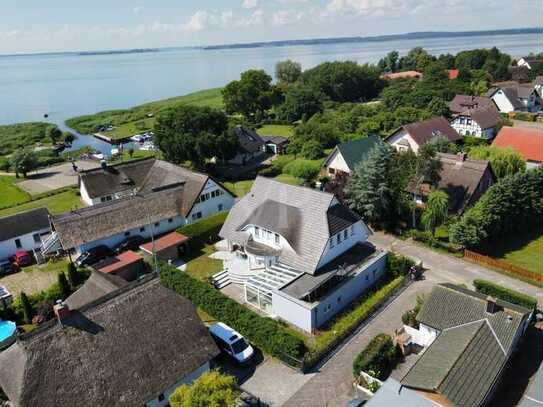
284,17
249,4
137,9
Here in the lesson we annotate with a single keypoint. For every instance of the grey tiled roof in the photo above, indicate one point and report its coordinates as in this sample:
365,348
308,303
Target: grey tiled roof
121,350
23,223
472,347
300,213
249,140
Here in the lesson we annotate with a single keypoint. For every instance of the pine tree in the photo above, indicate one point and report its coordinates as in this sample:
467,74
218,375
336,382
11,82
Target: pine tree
28,312
64,286
73,277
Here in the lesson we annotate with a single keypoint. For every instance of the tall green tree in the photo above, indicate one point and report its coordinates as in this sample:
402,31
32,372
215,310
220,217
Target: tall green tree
390,62
212,389
73,277
417,59
54,134
288,71
23,161
370,190
28,311
196,134
301,101
64,286
504,161
437,209
252,95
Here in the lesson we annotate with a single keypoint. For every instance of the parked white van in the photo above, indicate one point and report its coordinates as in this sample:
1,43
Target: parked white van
231,342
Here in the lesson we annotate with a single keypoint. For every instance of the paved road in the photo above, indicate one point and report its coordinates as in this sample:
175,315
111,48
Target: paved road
331,385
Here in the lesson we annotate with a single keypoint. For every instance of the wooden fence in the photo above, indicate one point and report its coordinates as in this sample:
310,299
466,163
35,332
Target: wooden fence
503,266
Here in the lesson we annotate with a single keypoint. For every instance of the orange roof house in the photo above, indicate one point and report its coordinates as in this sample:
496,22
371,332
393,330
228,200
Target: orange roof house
528,142
453,73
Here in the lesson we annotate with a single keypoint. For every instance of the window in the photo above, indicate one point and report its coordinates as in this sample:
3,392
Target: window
127,233
157,224
339,299
345,234
220,207
468,121
276,238
352,230
367,277
170,220
268,234
37,238
197,215
332,243
161,397
339,238
257,231
331,171
18,243
142,229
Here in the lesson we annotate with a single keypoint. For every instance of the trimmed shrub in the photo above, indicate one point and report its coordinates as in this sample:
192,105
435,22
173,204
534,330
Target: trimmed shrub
504,293
205,230
398,265
379,356
269,335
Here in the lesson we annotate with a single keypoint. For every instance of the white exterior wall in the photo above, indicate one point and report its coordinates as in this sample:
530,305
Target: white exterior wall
427,335
472,129
359,234
338,163
211,205
502,102
85,195
111,241
8,247
186,380
395,140
309,317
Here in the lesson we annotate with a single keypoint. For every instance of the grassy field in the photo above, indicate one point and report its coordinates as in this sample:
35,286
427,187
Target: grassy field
9,193
521,249
15,136
135,120
276,130
56,204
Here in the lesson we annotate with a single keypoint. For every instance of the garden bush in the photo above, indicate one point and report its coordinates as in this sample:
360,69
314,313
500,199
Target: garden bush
267,334
205,230
303,169
398,265
527,117
504,293
379,356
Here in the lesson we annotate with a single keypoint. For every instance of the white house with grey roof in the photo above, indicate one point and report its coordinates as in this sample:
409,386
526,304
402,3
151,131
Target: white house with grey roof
145,197
23,231
469,339
300,254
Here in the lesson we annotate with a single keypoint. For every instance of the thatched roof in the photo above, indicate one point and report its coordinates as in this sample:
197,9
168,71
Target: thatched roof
96,286
123,350
23,223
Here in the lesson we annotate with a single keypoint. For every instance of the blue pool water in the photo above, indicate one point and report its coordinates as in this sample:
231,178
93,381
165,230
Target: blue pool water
7,329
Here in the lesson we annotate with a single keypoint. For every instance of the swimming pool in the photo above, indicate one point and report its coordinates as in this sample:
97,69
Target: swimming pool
7,331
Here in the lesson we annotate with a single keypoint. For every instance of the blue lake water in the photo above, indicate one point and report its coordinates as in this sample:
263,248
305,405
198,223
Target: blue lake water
68,85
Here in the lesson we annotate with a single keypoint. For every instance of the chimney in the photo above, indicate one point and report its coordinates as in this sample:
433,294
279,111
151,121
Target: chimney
491,306
62,311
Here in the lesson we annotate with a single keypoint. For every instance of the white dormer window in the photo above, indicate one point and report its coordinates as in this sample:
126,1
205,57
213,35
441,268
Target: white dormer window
257,231
276,239
269,234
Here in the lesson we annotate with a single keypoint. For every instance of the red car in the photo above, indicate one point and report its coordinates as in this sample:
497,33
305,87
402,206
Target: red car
22,258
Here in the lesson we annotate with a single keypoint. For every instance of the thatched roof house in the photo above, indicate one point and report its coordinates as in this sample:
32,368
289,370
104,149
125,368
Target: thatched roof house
128,348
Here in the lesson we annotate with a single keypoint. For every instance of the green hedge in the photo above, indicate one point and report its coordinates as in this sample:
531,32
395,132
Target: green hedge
205,230
269,335
379,356
527,117
398,265
504,293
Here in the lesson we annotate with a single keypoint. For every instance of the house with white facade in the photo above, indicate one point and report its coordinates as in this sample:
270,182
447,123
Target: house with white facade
468,340
474,116
23,231
413,136
130,347
299,254
529,62
512,96
346,156
148,197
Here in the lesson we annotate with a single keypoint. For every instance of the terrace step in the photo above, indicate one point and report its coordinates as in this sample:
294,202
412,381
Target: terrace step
221,280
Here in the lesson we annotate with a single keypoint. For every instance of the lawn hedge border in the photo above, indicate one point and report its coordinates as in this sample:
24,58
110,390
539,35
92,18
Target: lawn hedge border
379,356
267,334
504,293
206,230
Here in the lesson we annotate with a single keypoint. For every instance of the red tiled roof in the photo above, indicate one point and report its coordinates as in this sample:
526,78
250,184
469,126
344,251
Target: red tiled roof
528,142
165,242
116,263
453,73
401,75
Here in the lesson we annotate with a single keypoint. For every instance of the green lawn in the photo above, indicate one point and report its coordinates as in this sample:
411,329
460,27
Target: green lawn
130,129
241,188
126,120
521,249
9,193
59,203
138,154
200,265
276,130
288,179
15,136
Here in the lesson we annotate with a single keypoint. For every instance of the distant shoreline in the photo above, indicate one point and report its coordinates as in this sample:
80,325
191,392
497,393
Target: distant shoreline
379,38
285,43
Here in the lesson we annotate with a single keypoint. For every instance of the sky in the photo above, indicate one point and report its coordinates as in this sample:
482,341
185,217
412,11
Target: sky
68,25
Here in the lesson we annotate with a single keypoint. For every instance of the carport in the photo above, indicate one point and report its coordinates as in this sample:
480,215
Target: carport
127,265
167,247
